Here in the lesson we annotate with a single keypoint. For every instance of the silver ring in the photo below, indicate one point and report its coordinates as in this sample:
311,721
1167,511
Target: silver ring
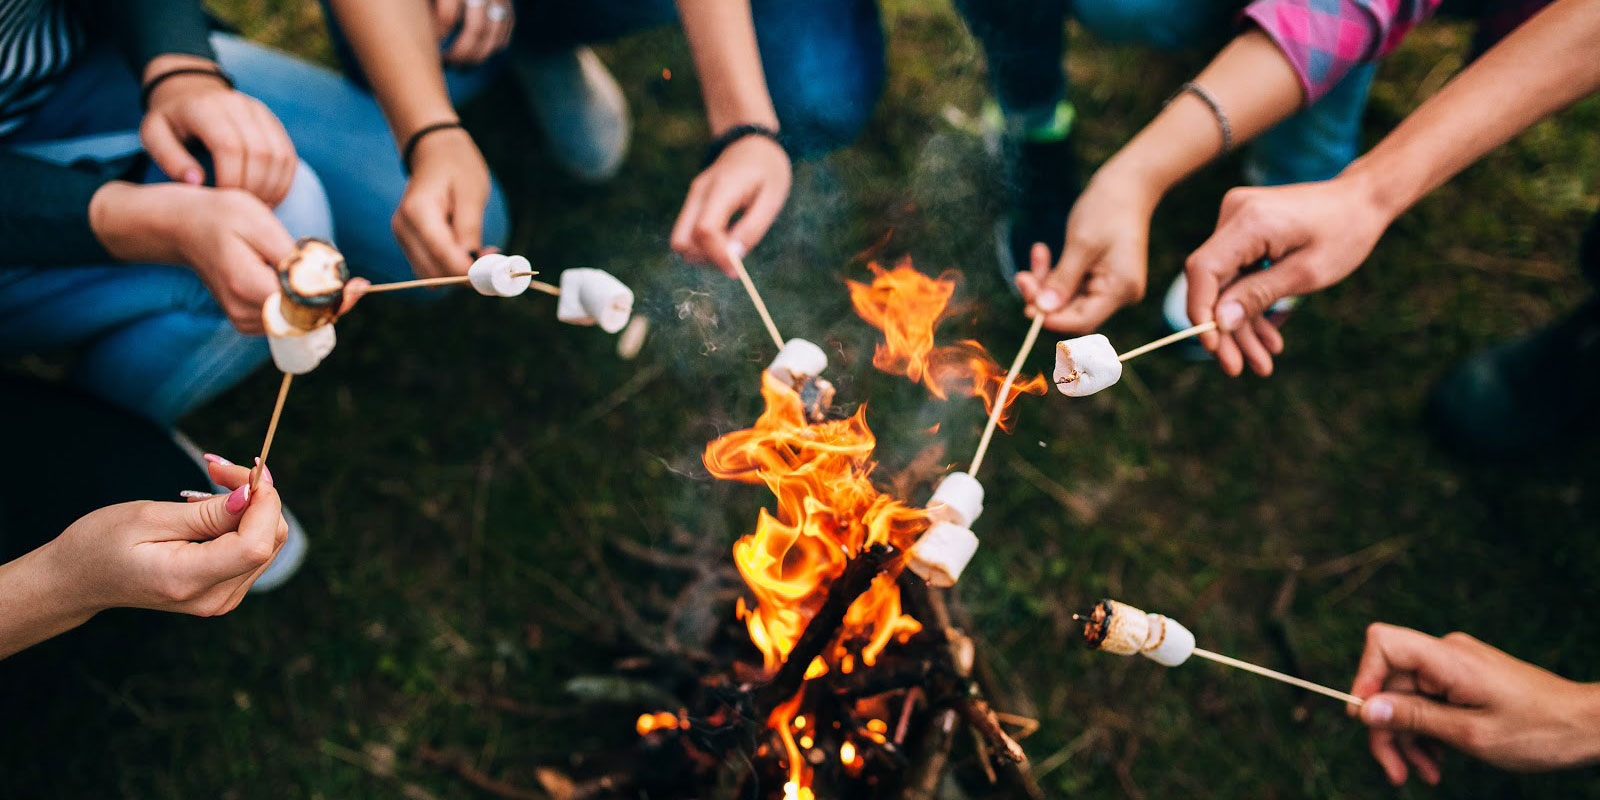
499,12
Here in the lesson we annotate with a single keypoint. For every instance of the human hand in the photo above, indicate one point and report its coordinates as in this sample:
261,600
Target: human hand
1102,267
1315,234
227,236
440,220
249,148
197,558
482,28
1420,690
752,178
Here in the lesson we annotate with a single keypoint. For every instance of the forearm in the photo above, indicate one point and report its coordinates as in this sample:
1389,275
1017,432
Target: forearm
36,603
722,35
395,44
146,29
1256,87
1544,66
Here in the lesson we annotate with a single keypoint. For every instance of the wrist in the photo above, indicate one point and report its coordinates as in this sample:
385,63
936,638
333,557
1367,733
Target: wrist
172,76
1133,184
1375,188
1587,740
64,590
133,223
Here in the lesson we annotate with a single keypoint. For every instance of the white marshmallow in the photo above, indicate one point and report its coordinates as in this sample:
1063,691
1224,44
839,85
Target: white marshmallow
294,351
493,275
1086,365
957,499
1169,643
942,553
590,296
798,360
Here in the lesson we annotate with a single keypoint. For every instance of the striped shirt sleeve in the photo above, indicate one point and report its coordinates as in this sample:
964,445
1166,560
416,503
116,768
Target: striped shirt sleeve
1325,39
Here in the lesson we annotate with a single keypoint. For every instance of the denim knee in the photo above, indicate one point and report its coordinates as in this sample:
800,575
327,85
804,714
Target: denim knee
305,211
1162,24
824,63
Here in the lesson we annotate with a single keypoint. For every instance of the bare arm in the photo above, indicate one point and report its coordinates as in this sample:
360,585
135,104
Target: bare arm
395,42
36,602
752,176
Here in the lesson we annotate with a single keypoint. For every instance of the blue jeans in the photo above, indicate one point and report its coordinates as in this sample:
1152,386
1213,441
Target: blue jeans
151,338
1024,40
823,59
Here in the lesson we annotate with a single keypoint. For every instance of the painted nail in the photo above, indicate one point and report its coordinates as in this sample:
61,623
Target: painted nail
1378,712
1048,300
266,474
194,177
218,460
194,494
238,499
1230,314
736,249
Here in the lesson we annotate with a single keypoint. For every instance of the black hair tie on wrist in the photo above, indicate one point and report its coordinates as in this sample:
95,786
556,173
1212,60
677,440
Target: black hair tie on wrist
736,133
149,87
416,138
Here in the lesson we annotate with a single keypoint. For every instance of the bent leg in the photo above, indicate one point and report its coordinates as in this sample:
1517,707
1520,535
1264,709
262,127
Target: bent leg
1023,42
1318,142
824,63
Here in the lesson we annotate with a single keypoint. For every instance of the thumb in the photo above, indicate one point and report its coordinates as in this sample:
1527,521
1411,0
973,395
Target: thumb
170,154
1410,713
209,519
1250,296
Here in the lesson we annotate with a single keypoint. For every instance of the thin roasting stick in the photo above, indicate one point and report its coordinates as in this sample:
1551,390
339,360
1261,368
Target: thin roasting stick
1278,676
1005,392
1169,339
755,297
448,280
272,428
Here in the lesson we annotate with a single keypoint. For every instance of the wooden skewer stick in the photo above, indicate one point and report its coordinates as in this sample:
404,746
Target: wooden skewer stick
1169,339
755,297
272,428
1005,392
1278,676
449,280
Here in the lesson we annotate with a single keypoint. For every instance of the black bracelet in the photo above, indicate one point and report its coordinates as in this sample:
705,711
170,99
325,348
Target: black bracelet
736,133
416,139
1216,110
150,85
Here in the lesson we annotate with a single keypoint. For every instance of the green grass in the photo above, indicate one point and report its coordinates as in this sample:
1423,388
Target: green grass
458,499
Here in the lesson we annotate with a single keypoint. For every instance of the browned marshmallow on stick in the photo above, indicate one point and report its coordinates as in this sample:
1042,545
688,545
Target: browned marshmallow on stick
799,366
312,281
942,553
1122,629
294,351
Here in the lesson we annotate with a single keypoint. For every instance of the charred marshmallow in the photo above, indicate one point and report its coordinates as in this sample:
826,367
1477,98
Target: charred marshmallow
496,275
594,296
1122,629
294,351
798,361
1086,365
312,281
942,553
957,499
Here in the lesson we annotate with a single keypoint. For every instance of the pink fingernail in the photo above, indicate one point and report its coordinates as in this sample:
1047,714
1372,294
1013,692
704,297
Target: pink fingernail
218,460
1048,300
1378,712
1230,314
266,474
736,249
238,499
194,177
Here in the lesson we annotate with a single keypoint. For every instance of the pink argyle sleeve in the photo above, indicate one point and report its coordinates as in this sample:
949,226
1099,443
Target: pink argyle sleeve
1325,39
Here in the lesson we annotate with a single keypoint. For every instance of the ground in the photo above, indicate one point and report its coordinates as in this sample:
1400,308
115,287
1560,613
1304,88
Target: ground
462,466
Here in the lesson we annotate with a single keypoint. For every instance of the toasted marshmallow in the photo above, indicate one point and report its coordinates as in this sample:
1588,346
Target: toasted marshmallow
594,296
957,499
1086,365
293,350
797,361
495,275
942,553
1169,643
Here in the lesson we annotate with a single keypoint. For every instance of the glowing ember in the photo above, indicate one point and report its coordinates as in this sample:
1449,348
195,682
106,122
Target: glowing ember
907,306
657,721
847,753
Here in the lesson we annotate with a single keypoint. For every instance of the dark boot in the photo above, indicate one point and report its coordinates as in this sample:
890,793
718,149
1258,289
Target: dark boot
1043,181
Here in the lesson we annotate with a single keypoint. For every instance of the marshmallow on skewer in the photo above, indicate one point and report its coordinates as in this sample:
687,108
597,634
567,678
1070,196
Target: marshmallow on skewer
799,366
594,296
1122,629
311,281
495,275
942,553
1086,365
957,499
294,351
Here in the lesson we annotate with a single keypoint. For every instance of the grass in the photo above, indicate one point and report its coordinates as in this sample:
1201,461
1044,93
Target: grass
459,464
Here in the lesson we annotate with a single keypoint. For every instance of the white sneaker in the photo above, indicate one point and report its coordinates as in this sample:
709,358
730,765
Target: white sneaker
293,552
580,107
1175,308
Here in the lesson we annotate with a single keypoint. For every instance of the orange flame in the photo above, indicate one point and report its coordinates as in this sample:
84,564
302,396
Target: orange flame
907,306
